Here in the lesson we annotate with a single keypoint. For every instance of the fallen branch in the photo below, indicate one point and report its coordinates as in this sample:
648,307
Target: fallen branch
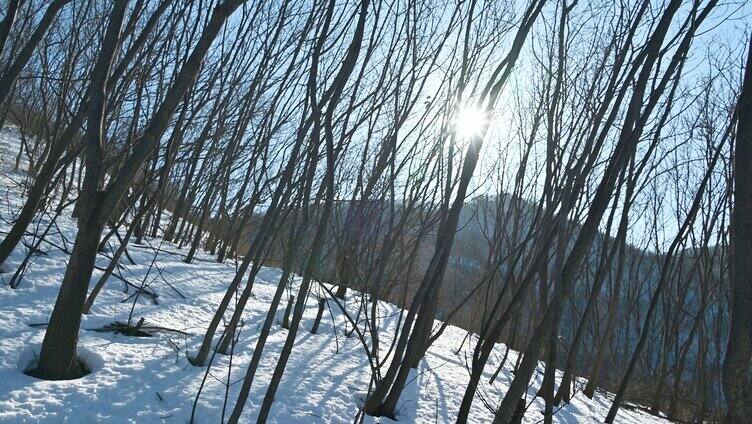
139,330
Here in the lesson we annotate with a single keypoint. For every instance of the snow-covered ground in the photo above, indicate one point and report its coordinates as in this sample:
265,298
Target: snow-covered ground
149,380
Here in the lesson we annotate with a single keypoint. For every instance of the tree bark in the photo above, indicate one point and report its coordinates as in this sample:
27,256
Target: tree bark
736,365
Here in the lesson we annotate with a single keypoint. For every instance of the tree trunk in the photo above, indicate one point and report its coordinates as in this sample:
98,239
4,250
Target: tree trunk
57,359
9,77
736,383
7,22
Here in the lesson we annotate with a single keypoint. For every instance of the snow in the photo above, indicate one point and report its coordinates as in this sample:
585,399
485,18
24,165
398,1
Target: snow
149,380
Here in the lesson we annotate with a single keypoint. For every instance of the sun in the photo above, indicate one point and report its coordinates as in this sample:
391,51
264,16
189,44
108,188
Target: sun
470,122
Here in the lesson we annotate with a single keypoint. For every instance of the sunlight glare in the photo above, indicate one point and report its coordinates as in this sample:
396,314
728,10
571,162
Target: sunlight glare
470,122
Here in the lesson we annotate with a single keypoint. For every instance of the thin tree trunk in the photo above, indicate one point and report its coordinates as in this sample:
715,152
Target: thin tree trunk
736,365
7,22
11,73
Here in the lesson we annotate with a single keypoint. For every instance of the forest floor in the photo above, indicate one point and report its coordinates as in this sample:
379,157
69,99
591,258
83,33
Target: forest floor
149,380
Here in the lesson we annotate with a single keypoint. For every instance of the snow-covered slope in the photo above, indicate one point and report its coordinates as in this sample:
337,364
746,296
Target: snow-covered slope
149,380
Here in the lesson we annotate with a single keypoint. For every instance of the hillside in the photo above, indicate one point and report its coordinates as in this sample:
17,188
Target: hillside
148,379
